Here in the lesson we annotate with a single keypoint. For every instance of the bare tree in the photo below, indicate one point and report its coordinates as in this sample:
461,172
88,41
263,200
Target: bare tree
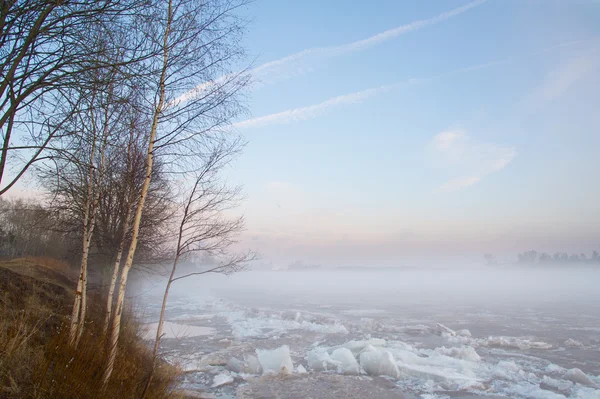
45,48
204,226
25,230
198,44
100,124
117,206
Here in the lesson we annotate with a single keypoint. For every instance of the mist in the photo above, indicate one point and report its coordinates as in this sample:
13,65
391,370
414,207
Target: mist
512,331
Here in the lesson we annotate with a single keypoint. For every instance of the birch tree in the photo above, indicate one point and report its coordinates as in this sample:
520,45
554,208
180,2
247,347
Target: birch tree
44,49
192,94
101,100
205,226
102,120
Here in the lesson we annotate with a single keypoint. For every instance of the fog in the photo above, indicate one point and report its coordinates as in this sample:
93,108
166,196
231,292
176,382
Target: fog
516,331
477,286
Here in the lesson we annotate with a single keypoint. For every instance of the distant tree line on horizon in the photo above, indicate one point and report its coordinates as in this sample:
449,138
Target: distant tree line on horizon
543,258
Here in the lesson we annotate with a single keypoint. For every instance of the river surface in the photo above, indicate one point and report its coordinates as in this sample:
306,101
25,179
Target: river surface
436,334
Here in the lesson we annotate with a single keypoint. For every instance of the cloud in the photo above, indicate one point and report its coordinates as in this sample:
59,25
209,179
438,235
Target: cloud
400,30
457,153
292,64
562,79
299,63
311,111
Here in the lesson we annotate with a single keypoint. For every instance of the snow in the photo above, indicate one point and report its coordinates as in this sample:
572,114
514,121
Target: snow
222,379
571,343
579,377
346,360
379,362
275,361
176,330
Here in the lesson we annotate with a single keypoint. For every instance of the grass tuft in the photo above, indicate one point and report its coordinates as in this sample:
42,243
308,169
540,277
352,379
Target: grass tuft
36,360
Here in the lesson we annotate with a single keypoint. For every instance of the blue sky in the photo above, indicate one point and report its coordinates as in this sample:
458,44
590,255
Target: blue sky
383,132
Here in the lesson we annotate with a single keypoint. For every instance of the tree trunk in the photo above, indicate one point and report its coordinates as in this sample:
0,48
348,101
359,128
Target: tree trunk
91,205
115,275
80,292
161,320
116,325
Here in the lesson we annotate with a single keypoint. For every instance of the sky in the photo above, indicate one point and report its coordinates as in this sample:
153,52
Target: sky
386,133
401,133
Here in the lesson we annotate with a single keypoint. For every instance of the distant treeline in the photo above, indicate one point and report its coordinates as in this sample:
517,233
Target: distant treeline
543,258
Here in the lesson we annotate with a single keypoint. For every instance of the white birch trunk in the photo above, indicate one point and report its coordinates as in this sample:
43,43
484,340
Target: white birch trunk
115,275
116,324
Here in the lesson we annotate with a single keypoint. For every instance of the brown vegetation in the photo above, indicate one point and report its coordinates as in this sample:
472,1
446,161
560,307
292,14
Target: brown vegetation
36,360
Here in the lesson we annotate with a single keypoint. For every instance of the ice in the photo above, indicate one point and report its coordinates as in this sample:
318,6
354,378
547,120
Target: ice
450,372
457,339
506,370
176,330
513,343
379,362
250,365
579,377
347,362
222,379
441,329
464,352
588,394
417,329
531,390
505,356
275,361
358,346
189,394
320,360
300,369
554,368
571,343
247,327
362,312
235,365
291,315
563,387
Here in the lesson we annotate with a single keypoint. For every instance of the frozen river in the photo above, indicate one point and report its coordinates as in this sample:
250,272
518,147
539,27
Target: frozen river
386,334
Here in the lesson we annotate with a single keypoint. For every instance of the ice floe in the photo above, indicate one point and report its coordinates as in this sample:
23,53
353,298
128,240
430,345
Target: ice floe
275,361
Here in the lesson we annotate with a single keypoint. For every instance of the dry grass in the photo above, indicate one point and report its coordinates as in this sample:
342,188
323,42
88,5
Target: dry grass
53,264
36,360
